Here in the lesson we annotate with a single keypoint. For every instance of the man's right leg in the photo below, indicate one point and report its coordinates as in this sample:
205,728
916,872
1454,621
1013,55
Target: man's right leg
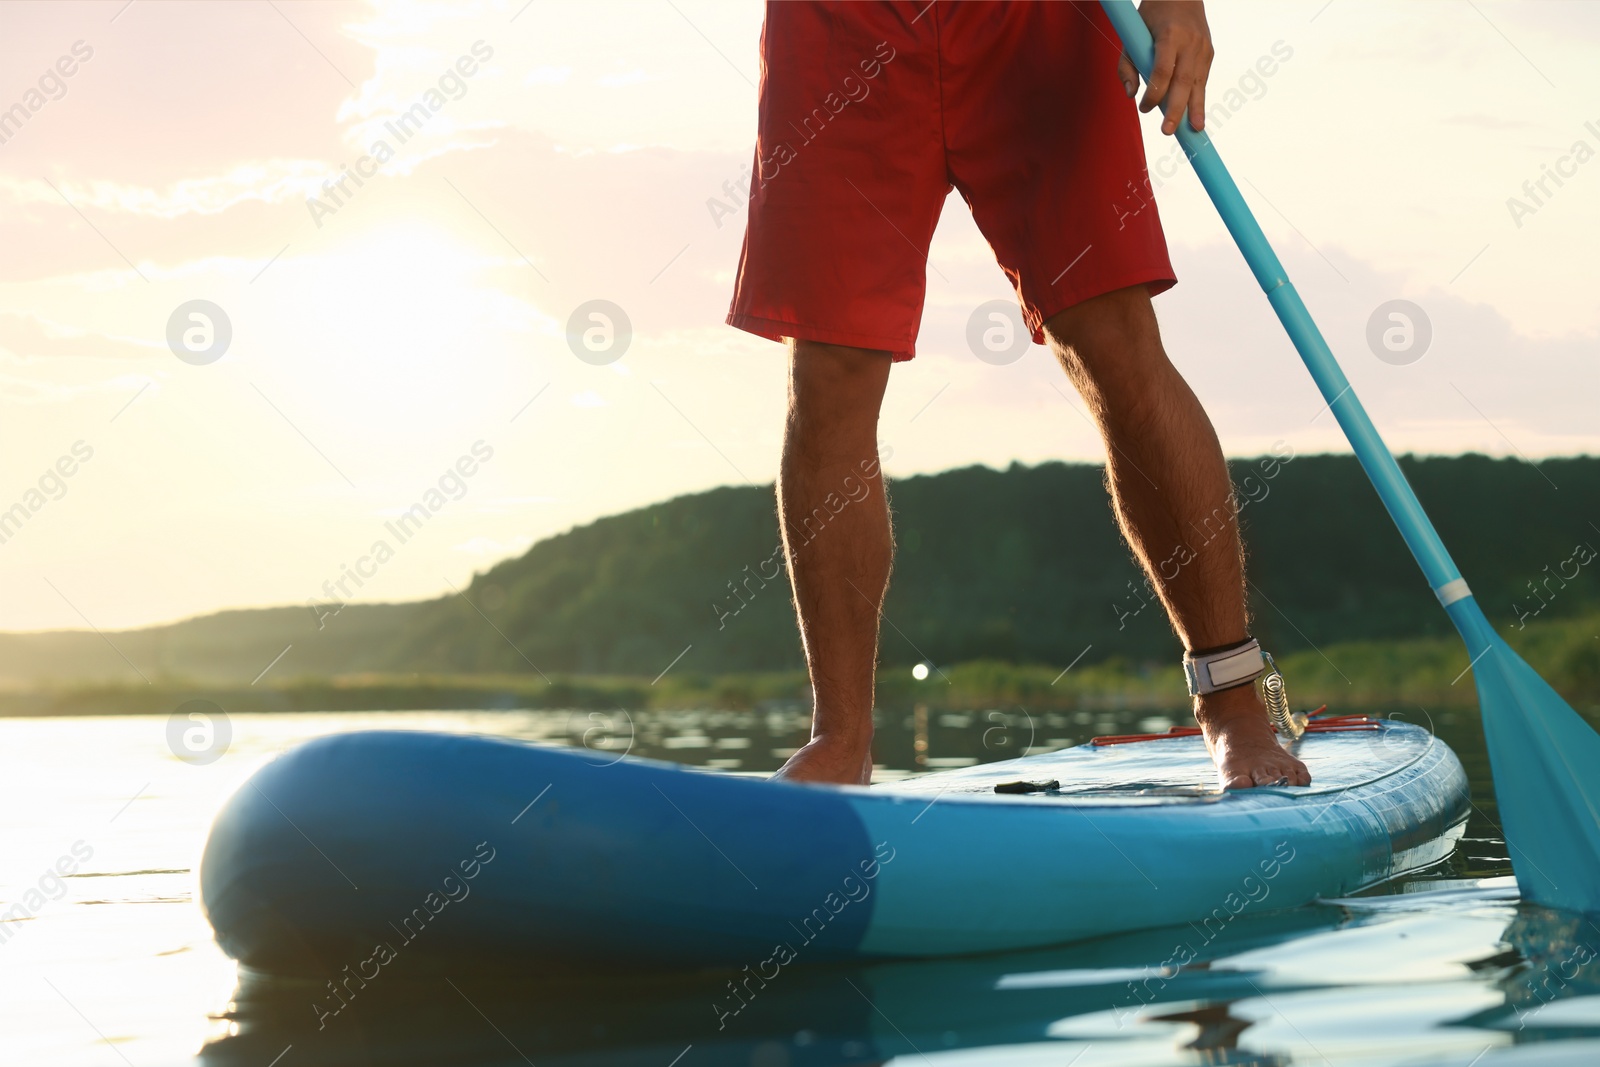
838,559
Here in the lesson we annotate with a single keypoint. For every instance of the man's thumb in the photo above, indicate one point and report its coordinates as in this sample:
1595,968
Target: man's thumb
1128,74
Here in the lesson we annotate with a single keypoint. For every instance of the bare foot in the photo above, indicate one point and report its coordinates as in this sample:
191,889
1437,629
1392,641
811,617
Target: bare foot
1242,743
822,759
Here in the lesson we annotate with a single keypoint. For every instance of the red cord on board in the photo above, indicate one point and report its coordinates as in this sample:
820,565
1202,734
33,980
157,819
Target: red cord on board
1315,724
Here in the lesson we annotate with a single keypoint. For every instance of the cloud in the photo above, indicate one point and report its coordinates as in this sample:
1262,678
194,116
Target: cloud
269,182
1482,384
25,336
1557,21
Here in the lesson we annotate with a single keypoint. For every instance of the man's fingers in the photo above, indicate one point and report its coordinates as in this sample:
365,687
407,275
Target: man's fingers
1197,96
1128,75
1178,83
1160,75
1177,97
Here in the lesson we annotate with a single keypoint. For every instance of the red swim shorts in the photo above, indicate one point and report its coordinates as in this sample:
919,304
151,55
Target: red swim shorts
871,111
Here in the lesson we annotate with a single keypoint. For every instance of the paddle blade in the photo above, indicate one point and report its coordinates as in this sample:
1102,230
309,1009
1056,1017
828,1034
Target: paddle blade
1546,764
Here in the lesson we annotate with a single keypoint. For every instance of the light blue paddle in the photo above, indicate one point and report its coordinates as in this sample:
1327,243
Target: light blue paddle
1545,758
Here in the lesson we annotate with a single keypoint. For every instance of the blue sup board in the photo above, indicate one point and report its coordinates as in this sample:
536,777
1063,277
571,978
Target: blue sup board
360,848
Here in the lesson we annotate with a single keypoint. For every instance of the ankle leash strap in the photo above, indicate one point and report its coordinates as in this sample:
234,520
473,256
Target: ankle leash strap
1213,670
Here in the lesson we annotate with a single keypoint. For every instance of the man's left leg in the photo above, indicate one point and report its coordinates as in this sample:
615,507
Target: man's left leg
1173,499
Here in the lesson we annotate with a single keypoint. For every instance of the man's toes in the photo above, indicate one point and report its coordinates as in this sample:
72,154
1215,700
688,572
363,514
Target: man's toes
1293,770
1272,772
1292,773
1236,780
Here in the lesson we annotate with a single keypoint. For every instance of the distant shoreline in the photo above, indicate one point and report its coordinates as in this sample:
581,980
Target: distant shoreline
1426,672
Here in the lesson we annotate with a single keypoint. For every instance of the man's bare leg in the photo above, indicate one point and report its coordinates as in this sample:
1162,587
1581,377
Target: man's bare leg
1170,488
835,523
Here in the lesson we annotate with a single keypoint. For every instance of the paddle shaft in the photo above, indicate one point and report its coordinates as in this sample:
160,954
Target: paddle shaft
1376,459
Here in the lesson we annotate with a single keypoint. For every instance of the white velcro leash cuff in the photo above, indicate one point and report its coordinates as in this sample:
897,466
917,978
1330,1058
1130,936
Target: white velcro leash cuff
1209,672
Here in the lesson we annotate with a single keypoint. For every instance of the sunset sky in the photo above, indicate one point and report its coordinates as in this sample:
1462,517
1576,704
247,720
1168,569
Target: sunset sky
380,335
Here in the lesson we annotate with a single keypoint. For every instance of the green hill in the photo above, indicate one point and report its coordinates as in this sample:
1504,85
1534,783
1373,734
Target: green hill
1021,565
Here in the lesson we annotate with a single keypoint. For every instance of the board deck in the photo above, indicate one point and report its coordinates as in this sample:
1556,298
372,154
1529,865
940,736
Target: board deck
1175,770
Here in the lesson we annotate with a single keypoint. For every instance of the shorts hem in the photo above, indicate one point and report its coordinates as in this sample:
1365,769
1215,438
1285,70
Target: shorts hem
1157,278
900,349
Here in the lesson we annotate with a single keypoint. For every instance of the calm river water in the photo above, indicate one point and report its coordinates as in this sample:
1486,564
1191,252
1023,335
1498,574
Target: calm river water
112,964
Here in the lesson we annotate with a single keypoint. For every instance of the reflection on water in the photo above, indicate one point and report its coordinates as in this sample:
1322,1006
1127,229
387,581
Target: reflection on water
104,959
1432,977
